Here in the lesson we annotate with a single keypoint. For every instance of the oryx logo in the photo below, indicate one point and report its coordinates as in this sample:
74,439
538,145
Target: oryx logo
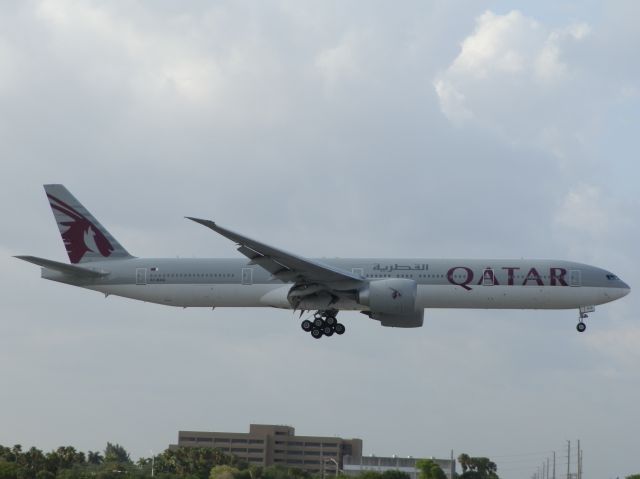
395,294
81,235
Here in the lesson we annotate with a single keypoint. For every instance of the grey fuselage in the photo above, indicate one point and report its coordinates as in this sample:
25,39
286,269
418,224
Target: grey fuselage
442,283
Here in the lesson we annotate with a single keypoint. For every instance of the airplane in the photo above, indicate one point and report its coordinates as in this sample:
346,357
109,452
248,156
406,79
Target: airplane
393,291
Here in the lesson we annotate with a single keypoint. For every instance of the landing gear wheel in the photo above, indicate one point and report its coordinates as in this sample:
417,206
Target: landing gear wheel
307,325
339,328
331,320
318,322
327,331
581,327
316,333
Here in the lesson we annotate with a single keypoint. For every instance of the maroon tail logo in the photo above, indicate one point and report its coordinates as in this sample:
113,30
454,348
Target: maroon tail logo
81,235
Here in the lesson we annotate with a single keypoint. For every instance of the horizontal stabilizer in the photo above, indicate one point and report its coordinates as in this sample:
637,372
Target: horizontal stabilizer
63,267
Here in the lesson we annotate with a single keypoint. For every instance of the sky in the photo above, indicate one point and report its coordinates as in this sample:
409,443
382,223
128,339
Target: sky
328,128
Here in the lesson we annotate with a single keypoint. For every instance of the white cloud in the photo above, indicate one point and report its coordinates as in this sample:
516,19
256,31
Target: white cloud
500,44
512,63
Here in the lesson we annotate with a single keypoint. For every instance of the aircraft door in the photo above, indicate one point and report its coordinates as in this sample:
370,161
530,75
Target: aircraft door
247,275
488,278
575,277
141,275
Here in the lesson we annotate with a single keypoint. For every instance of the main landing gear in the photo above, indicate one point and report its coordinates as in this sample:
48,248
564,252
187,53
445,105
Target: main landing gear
324,323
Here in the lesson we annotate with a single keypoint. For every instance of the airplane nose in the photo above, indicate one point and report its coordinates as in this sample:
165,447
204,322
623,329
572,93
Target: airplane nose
626,289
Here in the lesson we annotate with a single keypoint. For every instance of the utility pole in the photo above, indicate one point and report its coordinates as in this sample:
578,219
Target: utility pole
554,464
568,460
547,468
579,461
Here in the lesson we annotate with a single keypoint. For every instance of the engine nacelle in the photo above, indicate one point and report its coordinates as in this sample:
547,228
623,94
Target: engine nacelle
390,296
410,320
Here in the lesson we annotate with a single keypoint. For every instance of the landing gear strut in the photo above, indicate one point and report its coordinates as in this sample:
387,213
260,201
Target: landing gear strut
324,324
582,315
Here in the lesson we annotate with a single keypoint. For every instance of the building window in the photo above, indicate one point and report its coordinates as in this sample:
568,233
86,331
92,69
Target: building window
255,451
312,444
205,439
239,441
238,449
221,439
256,441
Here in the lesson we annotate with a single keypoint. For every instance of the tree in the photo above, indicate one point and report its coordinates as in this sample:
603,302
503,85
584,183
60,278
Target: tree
116,453
223,472
275,472
395,474
369,475
429,469
477,467
194,461
34,462
94,457
633,476
68,456
8,470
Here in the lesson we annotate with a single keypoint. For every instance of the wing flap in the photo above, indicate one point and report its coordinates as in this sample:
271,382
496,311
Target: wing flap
63,267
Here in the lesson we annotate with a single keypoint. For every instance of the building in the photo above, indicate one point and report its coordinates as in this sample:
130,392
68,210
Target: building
267,445
352,466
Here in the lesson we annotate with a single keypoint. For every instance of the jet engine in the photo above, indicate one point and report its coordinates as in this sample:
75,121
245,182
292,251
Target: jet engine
391,296
392,302
409,320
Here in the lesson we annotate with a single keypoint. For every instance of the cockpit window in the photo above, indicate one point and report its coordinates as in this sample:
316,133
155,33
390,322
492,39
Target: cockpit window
612,277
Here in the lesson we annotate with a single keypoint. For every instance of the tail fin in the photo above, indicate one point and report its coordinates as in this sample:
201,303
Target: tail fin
84,237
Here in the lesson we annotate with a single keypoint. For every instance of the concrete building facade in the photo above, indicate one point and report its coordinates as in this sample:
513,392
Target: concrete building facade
352,466
267,445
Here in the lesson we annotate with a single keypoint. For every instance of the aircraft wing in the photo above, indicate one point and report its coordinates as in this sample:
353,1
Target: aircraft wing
282,265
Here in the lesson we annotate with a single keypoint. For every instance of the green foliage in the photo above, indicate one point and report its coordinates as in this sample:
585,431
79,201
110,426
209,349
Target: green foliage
633,476
94,457
195,461
477,467
115,453
45,475
179,463
391,474
429,469
8,469
223,472
369,475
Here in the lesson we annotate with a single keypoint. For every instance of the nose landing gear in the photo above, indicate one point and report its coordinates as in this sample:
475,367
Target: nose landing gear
581,327
324,324
582,315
